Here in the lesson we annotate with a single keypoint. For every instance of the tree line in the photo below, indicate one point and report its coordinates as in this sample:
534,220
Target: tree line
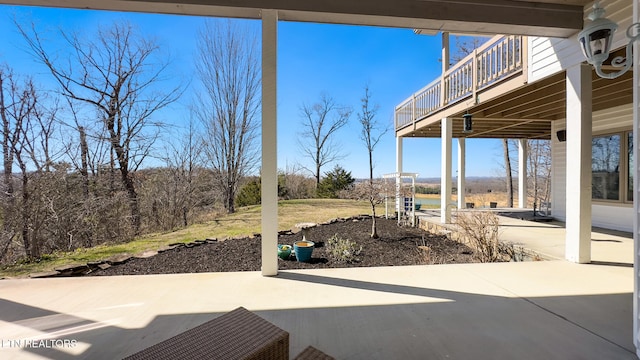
75,156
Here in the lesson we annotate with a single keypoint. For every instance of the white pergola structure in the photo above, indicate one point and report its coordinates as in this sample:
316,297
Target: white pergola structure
401,206
552,18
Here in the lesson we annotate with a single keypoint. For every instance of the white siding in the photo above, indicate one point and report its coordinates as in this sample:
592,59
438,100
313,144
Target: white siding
617,118
619,216
612,217
558,172
548,56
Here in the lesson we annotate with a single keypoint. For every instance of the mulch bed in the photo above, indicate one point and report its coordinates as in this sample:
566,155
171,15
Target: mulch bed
396,246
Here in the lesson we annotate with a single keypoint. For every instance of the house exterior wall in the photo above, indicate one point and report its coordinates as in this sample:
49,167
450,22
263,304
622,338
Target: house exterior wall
615,216
558,172
548,56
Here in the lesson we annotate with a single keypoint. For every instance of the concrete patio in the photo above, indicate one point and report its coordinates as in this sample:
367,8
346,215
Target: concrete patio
548,238
532,310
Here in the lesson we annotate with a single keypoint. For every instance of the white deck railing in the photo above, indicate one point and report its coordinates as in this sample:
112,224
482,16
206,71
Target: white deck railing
494,61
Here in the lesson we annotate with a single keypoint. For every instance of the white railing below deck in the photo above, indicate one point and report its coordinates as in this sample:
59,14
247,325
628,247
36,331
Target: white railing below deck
499,58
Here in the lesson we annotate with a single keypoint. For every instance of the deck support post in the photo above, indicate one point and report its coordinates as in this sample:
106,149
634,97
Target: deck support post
461,173
445,172
522,173
269,171
579,138
636,182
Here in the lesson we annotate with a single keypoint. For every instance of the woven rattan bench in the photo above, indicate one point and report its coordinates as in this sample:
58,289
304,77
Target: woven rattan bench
239,334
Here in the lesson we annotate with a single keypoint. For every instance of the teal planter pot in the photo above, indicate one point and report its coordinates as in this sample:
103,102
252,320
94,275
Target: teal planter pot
284,251
303,250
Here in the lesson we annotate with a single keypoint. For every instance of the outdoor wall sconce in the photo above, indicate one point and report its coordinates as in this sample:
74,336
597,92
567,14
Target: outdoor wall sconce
596,38
467,123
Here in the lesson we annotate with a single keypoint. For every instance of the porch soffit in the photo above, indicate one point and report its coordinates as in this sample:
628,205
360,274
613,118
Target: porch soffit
523,112
554,18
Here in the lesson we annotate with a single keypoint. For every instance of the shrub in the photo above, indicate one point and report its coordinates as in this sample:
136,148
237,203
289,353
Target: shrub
250,194
343,250
479,229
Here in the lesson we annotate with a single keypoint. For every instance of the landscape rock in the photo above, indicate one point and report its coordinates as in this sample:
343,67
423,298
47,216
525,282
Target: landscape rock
72,270
147,254
167,248
118,259
44,274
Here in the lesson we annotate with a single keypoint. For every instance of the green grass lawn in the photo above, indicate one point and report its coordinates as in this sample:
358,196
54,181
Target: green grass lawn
246,221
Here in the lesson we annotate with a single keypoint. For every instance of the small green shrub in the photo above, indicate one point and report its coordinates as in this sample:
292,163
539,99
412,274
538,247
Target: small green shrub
343,250
249,194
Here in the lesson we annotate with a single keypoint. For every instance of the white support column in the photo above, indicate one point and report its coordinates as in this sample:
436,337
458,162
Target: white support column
461,172
522,173
579,137
399,202
636,182
445,172
269,171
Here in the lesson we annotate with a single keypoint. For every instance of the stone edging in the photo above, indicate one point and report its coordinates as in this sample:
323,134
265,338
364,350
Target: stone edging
83,269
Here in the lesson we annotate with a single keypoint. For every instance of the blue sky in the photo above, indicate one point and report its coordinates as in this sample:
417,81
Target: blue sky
337,60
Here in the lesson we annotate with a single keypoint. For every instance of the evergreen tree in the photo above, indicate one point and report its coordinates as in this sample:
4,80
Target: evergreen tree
335,181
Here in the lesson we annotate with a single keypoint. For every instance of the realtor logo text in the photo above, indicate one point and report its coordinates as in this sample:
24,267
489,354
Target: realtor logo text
32,343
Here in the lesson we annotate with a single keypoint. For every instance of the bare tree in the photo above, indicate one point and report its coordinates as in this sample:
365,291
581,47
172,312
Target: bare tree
27,134
177,190
115,72
370,133
464,46
227,68
320,122
33,156
539,153
16,103
293,183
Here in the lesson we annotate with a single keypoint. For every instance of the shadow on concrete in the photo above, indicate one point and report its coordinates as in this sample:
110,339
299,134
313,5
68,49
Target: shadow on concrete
439,324
611,263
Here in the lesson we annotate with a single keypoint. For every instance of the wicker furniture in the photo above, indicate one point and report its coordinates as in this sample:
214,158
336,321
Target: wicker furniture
239,334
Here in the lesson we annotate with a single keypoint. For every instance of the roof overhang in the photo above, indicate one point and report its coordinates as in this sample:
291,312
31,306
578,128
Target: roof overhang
559,18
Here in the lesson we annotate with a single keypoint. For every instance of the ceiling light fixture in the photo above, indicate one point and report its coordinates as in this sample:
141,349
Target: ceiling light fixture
595,42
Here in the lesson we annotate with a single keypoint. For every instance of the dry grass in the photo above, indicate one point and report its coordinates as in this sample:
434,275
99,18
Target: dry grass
243,223
480,200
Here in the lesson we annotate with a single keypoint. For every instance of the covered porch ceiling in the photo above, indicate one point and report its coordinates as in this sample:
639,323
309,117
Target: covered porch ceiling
553,18
527,112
